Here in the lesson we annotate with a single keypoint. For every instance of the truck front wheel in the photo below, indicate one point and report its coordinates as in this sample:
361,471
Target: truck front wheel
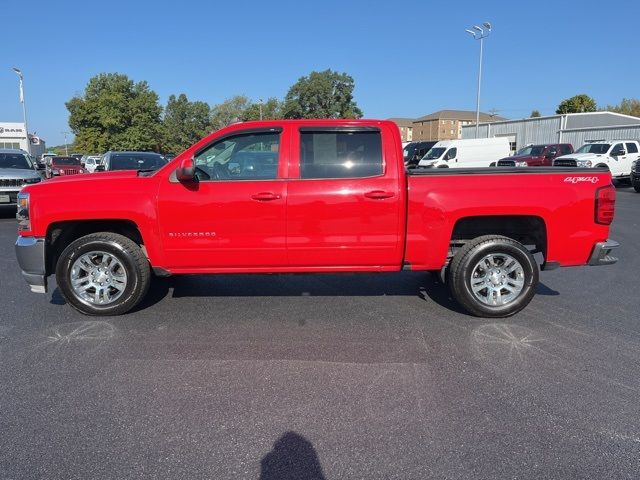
103,274
636,186
493,276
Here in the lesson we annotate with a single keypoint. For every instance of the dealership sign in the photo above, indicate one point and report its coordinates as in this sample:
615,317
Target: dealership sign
7,131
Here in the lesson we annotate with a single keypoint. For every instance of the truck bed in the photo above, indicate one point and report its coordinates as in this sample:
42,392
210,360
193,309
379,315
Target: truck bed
561,199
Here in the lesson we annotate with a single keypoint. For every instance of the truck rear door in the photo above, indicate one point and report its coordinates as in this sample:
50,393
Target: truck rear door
345,201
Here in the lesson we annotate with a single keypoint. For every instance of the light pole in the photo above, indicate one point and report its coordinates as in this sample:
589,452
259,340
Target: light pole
479,33
260,102
24,107
66,149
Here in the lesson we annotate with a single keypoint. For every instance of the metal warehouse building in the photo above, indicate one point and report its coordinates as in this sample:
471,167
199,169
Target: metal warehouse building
573,128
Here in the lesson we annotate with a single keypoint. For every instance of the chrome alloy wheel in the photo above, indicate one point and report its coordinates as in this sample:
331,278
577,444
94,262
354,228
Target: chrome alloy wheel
98,278
497,279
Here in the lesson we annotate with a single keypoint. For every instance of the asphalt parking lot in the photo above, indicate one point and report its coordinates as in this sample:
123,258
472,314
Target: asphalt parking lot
353,376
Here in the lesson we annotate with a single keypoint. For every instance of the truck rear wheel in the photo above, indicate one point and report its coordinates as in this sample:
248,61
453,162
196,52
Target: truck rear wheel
636,186
493,276
103,274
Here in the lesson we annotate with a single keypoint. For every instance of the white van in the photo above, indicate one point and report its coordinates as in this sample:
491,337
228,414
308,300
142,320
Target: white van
468,153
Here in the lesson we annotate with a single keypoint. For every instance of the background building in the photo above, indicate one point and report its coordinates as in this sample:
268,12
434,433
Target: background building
13,135
447,124
406,128
574,128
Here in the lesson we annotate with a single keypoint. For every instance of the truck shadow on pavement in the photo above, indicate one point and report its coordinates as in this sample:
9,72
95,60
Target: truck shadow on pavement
423,285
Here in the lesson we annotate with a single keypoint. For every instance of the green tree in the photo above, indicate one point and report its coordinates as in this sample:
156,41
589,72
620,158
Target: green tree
577,104
271,110
628,106
184,123
535,114
114,113
230,111
326,94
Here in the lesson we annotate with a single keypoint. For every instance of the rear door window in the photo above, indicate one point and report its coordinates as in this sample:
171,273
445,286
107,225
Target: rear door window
340,154
632,148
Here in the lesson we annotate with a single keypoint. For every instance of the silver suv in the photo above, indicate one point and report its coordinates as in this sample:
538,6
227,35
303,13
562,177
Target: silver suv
17,169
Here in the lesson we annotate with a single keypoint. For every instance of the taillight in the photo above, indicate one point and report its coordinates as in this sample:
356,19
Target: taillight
605,205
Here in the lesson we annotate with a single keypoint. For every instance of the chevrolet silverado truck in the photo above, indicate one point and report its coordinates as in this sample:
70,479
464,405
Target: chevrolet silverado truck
312,196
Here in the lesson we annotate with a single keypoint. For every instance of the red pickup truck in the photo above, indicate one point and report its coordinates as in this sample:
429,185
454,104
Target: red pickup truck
311,196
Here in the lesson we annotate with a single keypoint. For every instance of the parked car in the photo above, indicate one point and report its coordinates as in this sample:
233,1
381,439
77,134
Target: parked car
44,160
468,153
16,170
242,200
91,162
616,155
635,175
414,151
536,155
130,161
77,155
63,166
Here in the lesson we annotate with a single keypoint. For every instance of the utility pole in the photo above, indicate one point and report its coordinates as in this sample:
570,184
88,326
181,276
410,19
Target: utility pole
24,107
479,34
66,148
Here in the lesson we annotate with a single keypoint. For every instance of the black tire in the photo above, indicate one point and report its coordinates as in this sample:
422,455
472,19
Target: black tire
636,186
126,251
461,269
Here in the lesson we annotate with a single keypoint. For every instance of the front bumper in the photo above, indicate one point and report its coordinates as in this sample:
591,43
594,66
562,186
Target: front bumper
30,255
601,253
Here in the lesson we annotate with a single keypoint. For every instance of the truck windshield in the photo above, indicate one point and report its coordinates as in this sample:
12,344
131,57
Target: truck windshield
594,148
66,161
410,150
434,153
14,160
136,161
531,150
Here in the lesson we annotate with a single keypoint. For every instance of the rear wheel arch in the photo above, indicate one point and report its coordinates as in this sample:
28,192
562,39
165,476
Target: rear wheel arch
529,230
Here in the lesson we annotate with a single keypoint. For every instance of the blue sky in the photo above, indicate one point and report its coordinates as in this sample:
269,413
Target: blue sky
408,58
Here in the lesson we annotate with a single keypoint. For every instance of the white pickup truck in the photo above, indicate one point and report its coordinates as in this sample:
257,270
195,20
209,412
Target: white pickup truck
616,155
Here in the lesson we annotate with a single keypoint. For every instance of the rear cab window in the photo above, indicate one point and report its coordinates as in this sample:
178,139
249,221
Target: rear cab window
340,153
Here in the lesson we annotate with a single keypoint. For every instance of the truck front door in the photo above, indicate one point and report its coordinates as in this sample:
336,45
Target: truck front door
344,202
619,163
233,216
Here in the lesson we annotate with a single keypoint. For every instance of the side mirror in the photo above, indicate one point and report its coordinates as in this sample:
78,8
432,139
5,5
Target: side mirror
620,153
99,168
186,172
